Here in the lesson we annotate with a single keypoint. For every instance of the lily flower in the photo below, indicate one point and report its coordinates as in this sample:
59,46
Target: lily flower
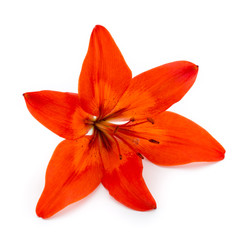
113,153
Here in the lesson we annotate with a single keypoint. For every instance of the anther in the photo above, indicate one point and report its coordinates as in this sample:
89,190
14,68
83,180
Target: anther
150,120
140,155
132,119
120,157
153,141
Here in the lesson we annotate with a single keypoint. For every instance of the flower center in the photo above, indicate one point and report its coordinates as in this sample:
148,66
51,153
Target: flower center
107,133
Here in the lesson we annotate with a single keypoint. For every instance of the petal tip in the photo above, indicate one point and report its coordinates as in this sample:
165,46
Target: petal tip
195,67
25,95
41,216
42,209
193,70
154,206
151,205
191,66
99,28
40,213
222,154
220,151
43,212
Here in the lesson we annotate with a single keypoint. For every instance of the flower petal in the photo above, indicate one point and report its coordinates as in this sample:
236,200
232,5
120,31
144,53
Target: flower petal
60,112
124,181
180,140
74,171
156,90
105,75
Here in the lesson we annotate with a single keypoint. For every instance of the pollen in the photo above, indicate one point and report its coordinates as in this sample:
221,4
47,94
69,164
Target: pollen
153,141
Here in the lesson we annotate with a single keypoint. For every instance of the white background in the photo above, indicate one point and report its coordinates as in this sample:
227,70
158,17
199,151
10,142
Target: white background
42,46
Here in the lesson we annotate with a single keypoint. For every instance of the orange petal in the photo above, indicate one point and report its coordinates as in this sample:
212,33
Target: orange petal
60,112
104,76
180,140
74,171
123,178
156,90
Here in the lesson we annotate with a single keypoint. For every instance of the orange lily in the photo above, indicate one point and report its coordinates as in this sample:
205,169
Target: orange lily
113,154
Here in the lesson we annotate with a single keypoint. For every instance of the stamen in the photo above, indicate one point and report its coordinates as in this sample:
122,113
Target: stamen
130,146
105,141
101,108
115,114
135,124
153,141
150,120
102,126
115,130
118,147
119,151
131,133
